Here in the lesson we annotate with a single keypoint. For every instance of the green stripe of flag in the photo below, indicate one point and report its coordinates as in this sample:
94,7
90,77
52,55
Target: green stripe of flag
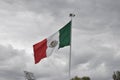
65,35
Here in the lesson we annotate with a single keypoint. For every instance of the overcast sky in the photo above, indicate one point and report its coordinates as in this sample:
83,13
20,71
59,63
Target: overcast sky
95,38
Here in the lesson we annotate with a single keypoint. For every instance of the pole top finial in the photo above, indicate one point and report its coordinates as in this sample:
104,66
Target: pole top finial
72,15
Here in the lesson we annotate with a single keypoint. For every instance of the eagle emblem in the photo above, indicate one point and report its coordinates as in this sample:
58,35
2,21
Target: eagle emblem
53,44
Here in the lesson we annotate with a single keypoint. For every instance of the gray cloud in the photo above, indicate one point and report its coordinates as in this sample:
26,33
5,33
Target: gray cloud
13,62
95,41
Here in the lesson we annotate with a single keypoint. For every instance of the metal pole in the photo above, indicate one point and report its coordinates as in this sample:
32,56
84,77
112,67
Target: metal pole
71,15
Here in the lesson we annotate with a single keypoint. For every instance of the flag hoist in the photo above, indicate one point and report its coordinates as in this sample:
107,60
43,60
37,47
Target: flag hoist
58,40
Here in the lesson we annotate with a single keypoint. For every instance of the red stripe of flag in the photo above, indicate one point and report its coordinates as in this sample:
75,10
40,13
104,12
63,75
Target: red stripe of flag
40,50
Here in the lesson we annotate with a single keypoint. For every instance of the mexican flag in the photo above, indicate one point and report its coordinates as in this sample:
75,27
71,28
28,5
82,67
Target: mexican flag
56,41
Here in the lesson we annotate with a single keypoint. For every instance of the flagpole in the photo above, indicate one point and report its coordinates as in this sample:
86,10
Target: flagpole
70,15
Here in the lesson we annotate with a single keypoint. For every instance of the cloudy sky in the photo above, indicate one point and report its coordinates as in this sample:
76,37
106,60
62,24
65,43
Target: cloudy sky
95,38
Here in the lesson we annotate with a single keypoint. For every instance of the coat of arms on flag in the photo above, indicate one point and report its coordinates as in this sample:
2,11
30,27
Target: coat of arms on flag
53,44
